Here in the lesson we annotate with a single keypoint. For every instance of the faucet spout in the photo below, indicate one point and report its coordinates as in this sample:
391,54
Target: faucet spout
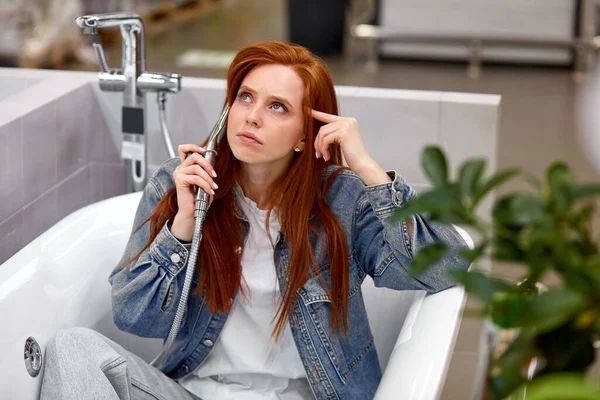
132,32
109,20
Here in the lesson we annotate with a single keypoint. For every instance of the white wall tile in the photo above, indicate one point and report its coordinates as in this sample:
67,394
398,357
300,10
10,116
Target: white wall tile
395,126
469,126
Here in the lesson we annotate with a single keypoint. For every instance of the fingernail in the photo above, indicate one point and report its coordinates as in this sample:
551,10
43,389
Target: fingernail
316,154
214,174
201,148
215,185
212,192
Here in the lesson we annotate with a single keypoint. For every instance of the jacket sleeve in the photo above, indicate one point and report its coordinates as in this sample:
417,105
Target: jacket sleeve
384,248
146,291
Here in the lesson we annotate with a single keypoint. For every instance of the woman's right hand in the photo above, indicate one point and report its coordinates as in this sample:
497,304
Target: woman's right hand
194,171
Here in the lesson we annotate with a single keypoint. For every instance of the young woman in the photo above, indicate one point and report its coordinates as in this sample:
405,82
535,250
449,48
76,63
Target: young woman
290,235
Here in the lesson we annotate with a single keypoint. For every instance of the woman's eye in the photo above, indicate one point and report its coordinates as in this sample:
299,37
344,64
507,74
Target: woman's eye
244,96
279,107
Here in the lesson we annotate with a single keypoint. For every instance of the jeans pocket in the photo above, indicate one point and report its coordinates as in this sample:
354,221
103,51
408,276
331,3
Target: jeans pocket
139,391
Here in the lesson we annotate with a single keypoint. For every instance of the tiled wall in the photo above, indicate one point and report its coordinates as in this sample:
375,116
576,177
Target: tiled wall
54,159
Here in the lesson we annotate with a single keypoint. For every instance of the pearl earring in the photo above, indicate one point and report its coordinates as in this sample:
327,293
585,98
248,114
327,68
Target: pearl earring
297,149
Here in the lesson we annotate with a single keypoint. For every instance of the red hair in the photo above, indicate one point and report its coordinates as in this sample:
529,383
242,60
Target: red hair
297,195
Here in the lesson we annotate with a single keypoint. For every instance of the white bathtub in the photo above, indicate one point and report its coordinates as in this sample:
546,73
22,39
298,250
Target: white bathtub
60,280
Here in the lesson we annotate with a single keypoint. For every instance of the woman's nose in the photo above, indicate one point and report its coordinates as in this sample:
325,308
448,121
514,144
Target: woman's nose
253,116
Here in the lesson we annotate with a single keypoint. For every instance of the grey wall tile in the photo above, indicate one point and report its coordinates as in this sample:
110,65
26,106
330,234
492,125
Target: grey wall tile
74,193
96,179
38,95
73,130
11,169
186,123
210,99
110,104
40,215
114,178
11,236
461,376
39,146
105,127
469,334
112,145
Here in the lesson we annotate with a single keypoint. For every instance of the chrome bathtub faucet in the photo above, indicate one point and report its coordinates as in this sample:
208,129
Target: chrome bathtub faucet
133,80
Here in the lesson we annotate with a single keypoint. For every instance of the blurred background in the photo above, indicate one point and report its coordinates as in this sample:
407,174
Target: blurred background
538,55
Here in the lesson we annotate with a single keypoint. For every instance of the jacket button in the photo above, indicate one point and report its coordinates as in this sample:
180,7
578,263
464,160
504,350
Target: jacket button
208,343
175,258
399,196
185,368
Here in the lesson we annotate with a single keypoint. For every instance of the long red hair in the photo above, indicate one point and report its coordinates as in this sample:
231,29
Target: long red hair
296,195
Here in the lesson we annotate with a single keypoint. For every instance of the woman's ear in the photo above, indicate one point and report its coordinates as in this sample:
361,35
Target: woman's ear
299,147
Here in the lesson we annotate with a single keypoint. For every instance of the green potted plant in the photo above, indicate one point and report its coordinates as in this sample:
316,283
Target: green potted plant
546,231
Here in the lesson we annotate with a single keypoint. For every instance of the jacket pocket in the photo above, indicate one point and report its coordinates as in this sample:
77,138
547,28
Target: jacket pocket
344,350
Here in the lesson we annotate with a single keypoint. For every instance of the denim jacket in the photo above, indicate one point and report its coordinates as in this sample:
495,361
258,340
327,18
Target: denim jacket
145,293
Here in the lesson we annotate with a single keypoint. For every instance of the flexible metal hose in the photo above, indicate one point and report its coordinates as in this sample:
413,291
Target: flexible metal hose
161,99
201,205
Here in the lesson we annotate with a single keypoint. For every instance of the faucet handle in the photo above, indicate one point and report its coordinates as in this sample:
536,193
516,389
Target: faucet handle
101,58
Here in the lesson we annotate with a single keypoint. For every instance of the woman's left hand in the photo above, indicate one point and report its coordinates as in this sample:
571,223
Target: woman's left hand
344,131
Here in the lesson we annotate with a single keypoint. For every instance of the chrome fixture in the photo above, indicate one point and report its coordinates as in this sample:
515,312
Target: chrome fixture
33,357
134,81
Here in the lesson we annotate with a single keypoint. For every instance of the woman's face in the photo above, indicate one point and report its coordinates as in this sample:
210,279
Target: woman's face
266,121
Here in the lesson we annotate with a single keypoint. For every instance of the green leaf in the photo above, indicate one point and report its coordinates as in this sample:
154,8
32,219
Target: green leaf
559,387
560,179
551,309
453,215
566,348
431,202
507,309
435,166
409,210
473,254
507,373
518,209
504,249
585,190
532,180
480,285
426,257
469,176
578,280
495,180
542,312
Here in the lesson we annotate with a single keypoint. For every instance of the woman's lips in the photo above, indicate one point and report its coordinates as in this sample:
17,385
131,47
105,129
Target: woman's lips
248,137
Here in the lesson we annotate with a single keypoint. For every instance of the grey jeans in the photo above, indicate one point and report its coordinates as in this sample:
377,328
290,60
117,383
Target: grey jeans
83,364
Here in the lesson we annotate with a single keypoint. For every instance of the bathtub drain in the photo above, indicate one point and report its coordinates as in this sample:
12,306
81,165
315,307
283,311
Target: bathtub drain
33,357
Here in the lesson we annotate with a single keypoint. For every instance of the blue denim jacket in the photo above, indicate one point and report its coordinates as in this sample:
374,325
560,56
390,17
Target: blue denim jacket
145,293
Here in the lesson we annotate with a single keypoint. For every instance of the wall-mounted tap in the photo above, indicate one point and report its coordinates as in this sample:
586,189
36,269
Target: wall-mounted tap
133,80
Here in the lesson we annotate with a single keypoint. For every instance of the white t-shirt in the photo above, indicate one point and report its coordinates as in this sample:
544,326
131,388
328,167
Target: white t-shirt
246,363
